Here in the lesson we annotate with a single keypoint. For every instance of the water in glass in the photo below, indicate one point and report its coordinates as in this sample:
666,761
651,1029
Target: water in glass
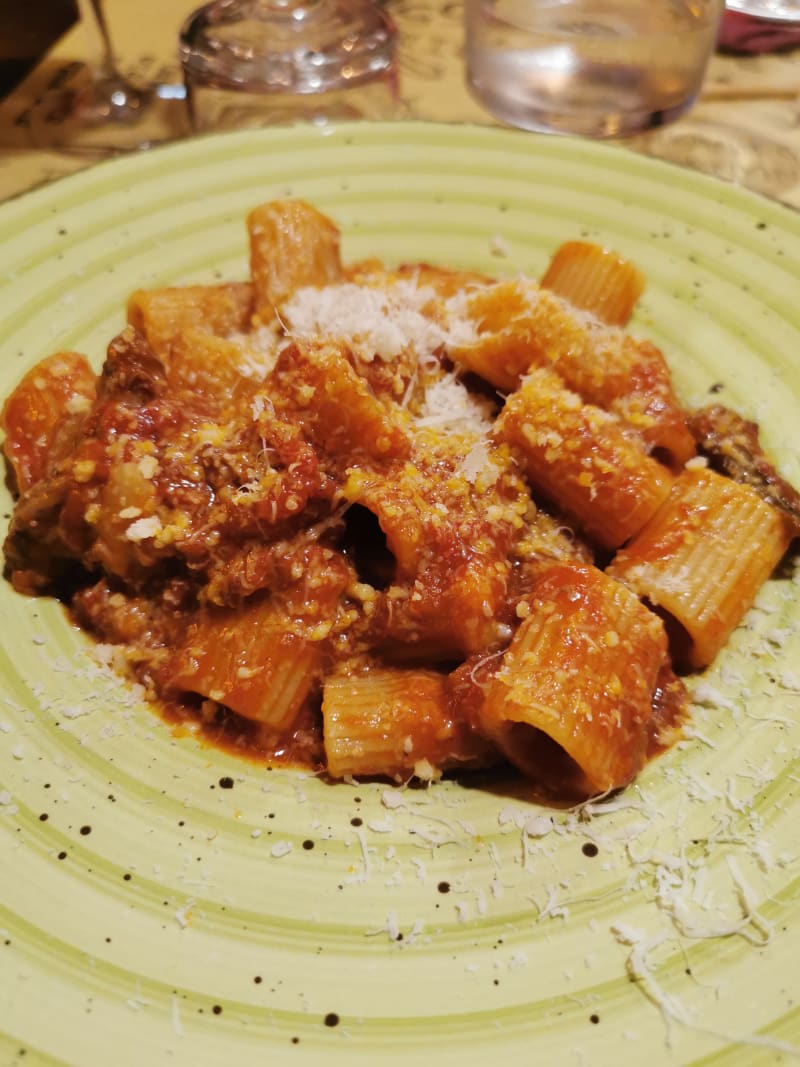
591,67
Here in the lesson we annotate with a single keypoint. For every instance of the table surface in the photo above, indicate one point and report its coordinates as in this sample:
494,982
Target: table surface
745,128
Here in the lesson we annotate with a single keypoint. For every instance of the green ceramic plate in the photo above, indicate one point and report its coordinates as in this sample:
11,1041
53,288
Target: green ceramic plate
161,903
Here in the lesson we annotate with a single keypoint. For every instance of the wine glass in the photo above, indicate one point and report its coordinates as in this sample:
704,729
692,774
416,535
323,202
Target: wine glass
98,111
259,62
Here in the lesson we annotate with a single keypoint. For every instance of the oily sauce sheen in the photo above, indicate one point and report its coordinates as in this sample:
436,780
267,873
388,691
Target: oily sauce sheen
383,523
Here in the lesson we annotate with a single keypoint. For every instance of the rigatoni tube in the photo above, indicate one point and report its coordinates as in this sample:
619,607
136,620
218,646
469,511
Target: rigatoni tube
573,699
703,557
398,723
579,457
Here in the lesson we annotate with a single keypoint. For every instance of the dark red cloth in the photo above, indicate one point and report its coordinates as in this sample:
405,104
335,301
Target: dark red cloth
745,34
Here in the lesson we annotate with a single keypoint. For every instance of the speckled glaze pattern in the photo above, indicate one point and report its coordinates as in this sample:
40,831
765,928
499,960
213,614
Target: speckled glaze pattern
164,903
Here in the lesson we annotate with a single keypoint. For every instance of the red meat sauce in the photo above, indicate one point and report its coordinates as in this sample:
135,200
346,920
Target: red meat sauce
248,515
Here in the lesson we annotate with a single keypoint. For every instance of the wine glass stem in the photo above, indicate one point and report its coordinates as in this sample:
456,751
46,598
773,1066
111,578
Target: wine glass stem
106,64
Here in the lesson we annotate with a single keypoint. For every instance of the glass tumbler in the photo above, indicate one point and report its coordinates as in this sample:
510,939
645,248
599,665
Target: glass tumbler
249,63
773,10
596,68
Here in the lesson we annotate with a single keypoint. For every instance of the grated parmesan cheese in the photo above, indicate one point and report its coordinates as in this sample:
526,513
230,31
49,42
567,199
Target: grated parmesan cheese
708,696
374,323
790,680
450,408
259,351
144,528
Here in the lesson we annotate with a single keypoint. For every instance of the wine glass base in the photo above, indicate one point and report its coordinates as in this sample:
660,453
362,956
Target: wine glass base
104,116
110,100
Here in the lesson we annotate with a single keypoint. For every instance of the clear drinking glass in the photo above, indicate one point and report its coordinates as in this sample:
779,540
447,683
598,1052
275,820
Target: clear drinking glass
775,10
598,68
260,62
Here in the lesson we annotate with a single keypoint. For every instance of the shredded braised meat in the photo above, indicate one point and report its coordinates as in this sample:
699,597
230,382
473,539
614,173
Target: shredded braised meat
731,444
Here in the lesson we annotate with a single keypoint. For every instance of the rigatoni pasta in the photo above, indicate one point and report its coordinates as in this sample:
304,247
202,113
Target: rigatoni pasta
395,521
164,315
580,671
517,325
579,455
703,557
595,279
291,245
398,723
252,660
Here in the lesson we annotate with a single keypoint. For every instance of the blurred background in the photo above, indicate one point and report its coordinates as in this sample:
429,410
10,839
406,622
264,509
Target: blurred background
745,127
